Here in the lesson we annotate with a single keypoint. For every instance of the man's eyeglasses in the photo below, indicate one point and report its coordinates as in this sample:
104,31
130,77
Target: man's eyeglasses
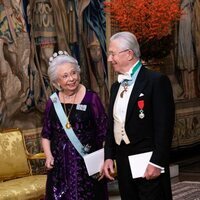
116,53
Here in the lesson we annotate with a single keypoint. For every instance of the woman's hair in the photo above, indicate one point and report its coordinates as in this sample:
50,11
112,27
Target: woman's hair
54,63
127,41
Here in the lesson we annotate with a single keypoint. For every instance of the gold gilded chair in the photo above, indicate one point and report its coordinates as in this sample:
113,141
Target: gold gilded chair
16,179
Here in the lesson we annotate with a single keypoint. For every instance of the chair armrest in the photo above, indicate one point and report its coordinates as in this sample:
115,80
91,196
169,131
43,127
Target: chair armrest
36,156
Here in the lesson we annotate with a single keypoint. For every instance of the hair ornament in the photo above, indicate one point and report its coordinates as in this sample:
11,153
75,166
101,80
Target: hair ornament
60,52
55,54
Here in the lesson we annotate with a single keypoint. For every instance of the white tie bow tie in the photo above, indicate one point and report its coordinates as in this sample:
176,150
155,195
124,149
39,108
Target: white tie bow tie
122,77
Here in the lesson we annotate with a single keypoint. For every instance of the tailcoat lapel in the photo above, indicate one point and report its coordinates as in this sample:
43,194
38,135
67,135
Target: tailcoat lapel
140,82
114,94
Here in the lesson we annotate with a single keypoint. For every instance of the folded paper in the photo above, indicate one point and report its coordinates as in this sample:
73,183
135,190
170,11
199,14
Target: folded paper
138,163
94,161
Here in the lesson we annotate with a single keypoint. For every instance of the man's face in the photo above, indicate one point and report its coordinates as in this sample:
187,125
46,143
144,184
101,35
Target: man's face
118,57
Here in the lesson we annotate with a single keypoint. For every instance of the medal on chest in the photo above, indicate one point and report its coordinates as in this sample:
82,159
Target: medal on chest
141,107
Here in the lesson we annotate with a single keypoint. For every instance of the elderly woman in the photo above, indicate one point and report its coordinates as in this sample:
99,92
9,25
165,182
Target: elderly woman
67,177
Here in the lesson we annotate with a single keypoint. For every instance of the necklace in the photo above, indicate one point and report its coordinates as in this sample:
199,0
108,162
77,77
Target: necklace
68,125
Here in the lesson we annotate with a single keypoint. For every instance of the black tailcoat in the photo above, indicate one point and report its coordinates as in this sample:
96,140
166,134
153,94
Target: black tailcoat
152,133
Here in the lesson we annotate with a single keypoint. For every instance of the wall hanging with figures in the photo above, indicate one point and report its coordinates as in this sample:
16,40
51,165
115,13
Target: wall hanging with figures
31,32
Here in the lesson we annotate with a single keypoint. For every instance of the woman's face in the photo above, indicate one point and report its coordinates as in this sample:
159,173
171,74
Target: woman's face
68,77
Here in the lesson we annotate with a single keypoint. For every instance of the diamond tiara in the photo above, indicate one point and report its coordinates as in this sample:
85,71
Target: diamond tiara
56,55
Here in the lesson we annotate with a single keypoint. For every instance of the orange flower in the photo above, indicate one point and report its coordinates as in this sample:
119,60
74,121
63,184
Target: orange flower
147,19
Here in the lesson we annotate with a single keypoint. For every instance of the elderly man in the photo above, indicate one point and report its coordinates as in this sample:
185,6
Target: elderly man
141,119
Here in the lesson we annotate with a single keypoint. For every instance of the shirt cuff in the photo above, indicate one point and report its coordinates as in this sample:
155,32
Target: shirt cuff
162,169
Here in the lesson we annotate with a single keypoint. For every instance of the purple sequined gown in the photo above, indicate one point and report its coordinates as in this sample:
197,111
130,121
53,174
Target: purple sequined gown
68,180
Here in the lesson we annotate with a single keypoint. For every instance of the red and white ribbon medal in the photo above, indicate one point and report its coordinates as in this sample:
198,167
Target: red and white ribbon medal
141,107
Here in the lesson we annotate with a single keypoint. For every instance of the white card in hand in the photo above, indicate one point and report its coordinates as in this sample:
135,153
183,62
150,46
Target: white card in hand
94,161
138,163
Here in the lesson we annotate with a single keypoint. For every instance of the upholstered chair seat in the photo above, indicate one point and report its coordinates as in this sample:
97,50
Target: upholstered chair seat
30,187
16,179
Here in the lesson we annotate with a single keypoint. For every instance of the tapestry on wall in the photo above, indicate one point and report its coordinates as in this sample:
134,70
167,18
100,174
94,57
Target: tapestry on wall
31,32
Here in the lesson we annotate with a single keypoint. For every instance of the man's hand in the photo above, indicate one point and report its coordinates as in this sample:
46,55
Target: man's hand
152,172
108,169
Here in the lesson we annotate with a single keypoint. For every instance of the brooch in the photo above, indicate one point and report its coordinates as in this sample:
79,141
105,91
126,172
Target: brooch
87,148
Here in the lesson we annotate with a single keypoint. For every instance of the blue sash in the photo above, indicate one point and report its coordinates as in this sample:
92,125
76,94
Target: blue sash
63,119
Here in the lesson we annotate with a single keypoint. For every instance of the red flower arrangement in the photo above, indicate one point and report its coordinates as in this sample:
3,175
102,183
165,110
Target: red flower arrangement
151,21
